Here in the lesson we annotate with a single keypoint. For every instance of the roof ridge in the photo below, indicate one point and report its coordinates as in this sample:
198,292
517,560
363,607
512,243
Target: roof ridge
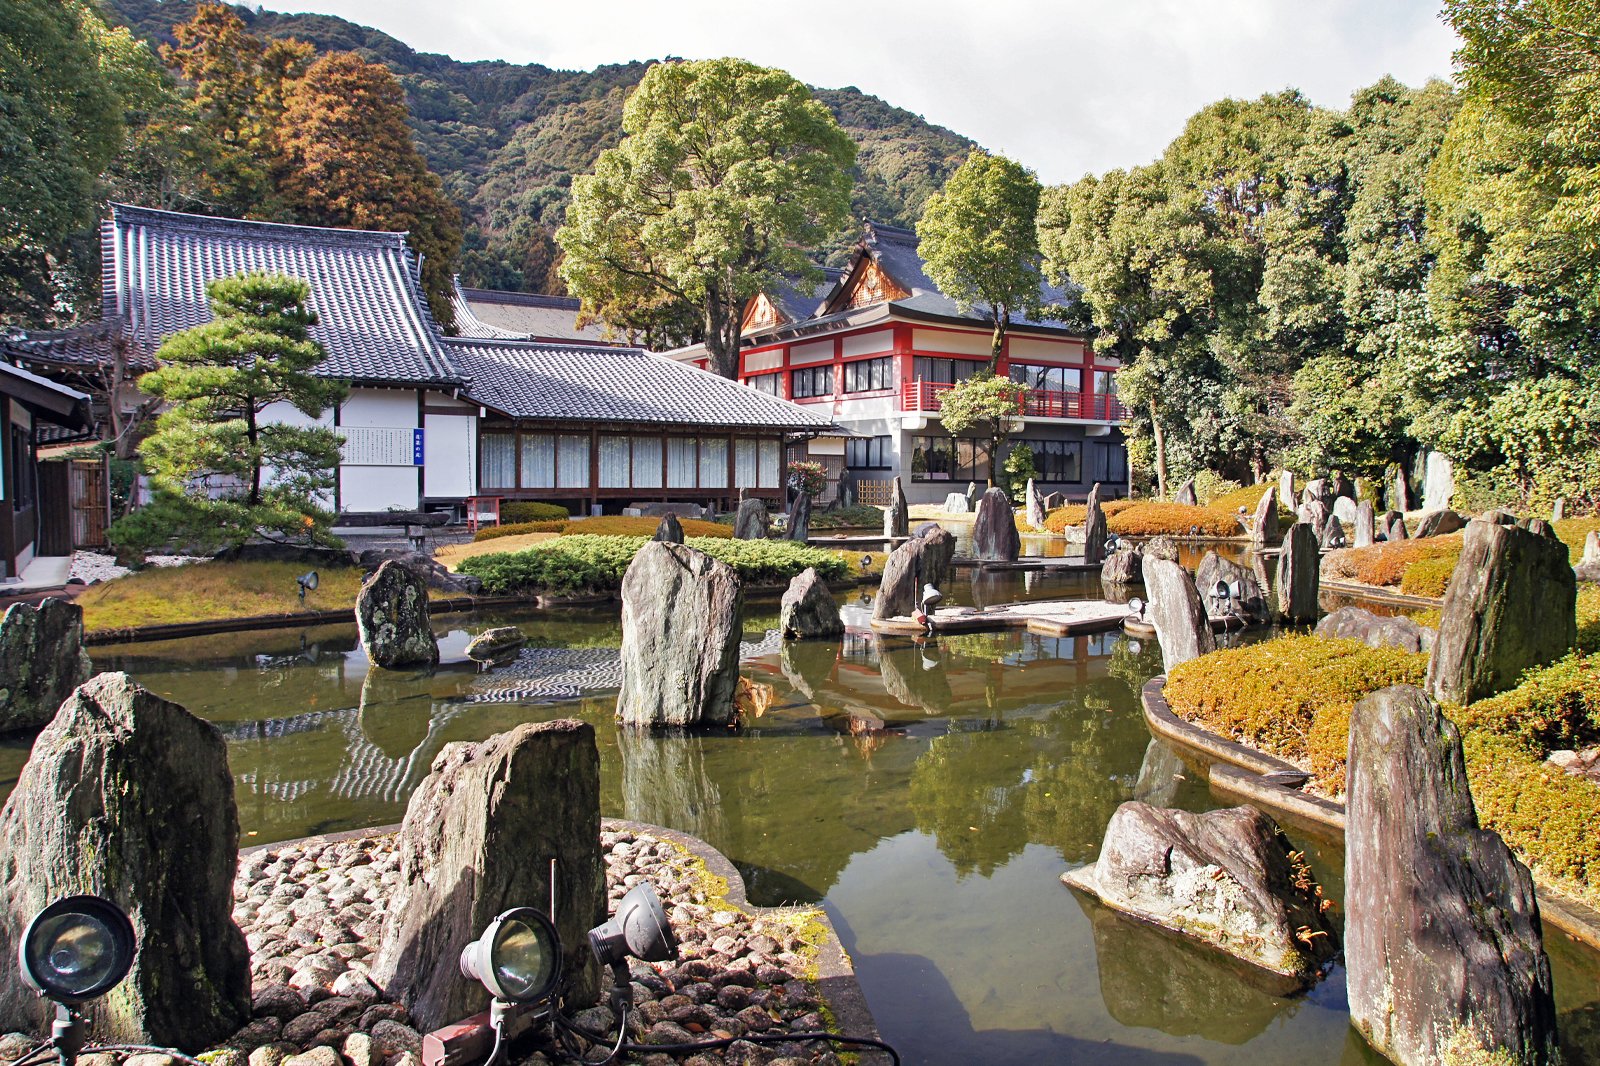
185,220
531,299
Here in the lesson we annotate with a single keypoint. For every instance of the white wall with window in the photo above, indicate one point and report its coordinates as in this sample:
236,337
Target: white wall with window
869,453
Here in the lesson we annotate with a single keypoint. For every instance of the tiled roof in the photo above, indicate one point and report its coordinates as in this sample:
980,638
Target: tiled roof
524,316
799,301
88,344
364,287
586,385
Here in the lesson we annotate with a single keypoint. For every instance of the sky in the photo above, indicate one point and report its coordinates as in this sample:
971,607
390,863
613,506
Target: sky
1066,88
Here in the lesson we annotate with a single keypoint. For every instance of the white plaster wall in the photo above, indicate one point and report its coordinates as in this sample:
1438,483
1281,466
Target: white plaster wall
395,408
1033,349
814,352
450,455
377,488
938,340
869,343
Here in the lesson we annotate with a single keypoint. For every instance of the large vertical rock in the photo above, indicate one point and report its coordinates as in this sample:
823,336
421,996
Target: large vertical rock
1245,601
1438,482
1444,954
1094,527
1186,494
680,638
1123,566
1035,506
751,521
1264,526
41,661
923,560
670,530
1175,608
128,796
478,838
1510,605
1400,498
1394,526
897,516
1315,514
392,617
1363,533
809,609
1332,534
800,518
1299,579
1319,490
994,531
1286,497
1588,568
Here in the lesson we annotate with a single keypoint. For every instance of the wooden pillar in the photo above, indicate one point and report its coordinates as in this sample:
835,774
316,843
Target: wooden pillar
594,466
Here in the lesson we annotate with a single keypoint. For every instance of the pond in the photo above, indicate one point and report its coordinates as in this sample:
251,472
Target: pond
928,794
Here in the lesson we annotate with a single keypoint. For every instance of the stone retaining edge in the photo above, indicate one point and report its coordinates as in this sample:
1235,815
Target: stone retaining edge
836,976
1379,594
1238,777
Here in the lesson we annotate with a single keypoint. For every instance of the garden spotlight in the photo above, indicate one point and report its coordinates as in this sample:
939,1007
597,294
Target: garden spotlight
866,563
307,583
1136,608
75,950
518,957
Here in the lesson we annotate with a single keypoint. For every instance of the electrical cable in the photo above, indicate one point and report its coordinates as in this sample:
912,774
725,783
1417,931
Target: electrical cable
47,1052
599,1039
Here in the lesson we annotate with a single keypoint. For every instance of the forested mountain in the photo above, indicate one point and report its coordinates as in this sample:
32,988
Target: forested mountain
507,138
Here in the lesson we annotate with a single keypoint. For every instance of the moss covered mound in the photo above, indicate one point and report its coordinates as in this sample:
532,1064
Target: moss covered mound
596,563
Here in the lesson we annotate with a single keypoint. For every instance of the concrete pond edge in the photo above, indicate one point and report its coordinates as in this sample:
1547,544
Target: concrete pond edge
837,986
1236,772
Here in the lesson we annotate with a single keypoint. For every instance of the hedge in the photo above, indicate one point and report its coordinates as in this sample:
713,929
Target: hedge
606,526
1556,706
1429,577
517,511
589,562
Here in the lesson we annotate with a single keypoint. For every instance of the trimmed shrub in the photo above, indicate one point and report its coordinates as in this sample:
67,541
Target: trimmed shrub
516,511
1073,514
1429,577
861,515
589,562
516,529
1212,489
1174,519
605,526
1385,564
1556,706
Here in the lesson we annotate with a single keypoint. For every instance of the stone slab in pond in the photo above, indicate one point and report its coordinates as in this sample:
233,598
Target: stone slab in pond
41,661
680,638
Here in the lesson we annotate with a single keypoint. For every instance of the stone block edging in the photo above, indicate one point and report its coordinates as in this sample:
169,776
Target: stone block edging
1235,771
1380,594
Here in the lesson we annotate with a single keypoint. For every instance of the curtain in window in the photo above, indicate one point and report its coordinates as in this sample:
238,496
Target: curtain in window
680,462
647,462
744,464
713,463
614,462
538,461
768,464
498,460
572,462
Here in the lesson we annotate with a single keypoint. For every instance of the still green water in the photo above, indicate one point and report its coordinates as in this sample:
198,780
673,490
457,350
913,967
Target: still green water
930,795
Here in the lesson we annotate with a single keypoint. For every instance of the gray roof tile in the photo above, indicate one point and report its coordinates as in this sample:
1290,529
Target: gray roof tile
895,250
524,316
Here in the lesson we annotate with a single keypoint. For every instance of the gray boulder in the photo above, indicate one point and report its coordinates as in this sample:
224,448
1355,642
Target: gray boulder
925,559
1123,566
495,644
41,661
1344,509
1588,568
1376,630
433,573
1286,497
1094,527
392,617
1228,879
680,638
1438,523
1558,510
1315,514
1161,546
994,532
800,518
1400,494
956,503
972,496
1180,619
1035,506
1264,525
1363,531
670,530
1332,534
478,839
1299,577
1510,605
1053,501
128,796
1318,490
751,521
809,609
1247,603
1394,526
1438,482
897,516
1341,486
1444,953
1186,495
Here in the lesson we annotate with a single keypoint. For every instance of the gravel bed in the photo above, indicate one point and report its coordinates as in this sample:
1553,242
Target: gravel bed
313,913
92,567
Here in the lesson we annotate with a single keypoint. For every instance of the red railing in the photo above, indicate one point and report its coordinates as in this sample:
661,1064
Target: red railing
1041,403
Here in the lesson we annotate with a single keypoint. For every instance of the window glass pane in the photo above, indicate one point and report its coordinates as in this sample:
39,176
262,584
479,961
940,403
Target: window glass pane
647,462
614,455
680,462
769,463
713,463
538,461
744,464
572,462
767,383
498,460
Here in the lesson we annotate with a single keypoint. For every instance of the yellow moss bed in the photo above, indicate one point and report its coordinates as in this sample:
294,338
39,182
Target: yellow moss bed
1572,532
602,525
1147,518
1387,563
1293,697
450,555
203,592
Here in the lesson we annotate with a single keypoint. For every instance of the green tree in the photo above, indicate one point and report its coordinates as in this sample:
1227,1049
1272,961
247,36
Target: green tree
984,401
727,174
979,241
222,472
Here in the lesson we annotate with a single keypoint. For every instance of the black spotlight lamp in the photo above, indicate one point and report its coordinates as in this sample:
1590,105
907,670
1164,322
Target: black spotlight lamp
639,929
866,562
307,583
74,951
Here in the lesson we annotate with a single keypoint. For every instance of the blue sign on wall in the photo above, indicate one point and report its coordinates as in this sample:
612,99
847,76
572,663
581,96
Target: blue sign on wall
416,447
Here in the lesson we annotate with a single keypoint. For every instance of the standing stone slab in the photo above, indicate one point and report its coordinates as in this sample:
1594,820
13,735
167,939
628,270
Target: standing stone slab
1394,526
956,503
1510,605
1094,527
680,638
1344,509
1180,619
1315,514
670,531
1054,500
923,560
809,609
1342,487
41,661
897,516
1438,482
1444,951
478,838
1035,506
1363,532
392,616
751,521
800,518
1558,510
972,496
1400,499
128,796
1319,490
1286,497
1264,526
1588,568
994,532
1299,577
1186,494
1227,879
1248,603
1332,534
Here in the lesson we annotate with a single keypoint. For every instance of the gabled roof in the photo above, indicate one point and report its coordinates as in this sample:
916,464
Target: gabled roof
491,313
88,344
372,318
587,385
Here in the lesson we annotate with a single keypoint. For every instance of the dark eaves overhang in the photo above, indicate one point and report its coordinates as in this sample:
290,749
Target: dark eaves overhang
44,398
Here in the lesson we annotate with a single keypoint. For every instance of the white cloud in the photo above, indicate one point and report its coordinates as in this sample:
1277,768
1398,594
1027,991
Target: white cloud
1065,87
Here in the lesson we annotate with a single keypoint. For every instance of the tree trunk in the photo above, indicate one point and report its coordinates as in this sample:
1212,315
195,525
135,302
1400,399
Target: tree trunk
722,335
251,433
1161,451
997,343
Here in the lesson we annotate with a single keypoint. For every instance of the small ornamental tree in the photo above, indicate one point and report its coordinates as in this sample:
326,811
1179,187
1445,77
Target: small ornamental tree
221,472
984,402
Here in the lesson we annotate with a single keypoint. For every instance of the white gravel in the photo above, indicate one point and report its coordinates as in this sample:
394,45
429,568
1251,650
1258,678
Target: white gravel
93,567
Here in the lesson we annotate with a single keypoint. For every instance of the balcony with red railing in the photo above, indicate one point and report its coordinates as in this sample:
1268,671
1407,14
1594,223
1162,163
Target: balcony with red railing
922,395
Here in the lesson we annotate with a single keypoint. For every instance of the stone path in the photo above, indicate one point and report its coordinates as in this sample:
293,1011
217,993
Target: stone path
1051,618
